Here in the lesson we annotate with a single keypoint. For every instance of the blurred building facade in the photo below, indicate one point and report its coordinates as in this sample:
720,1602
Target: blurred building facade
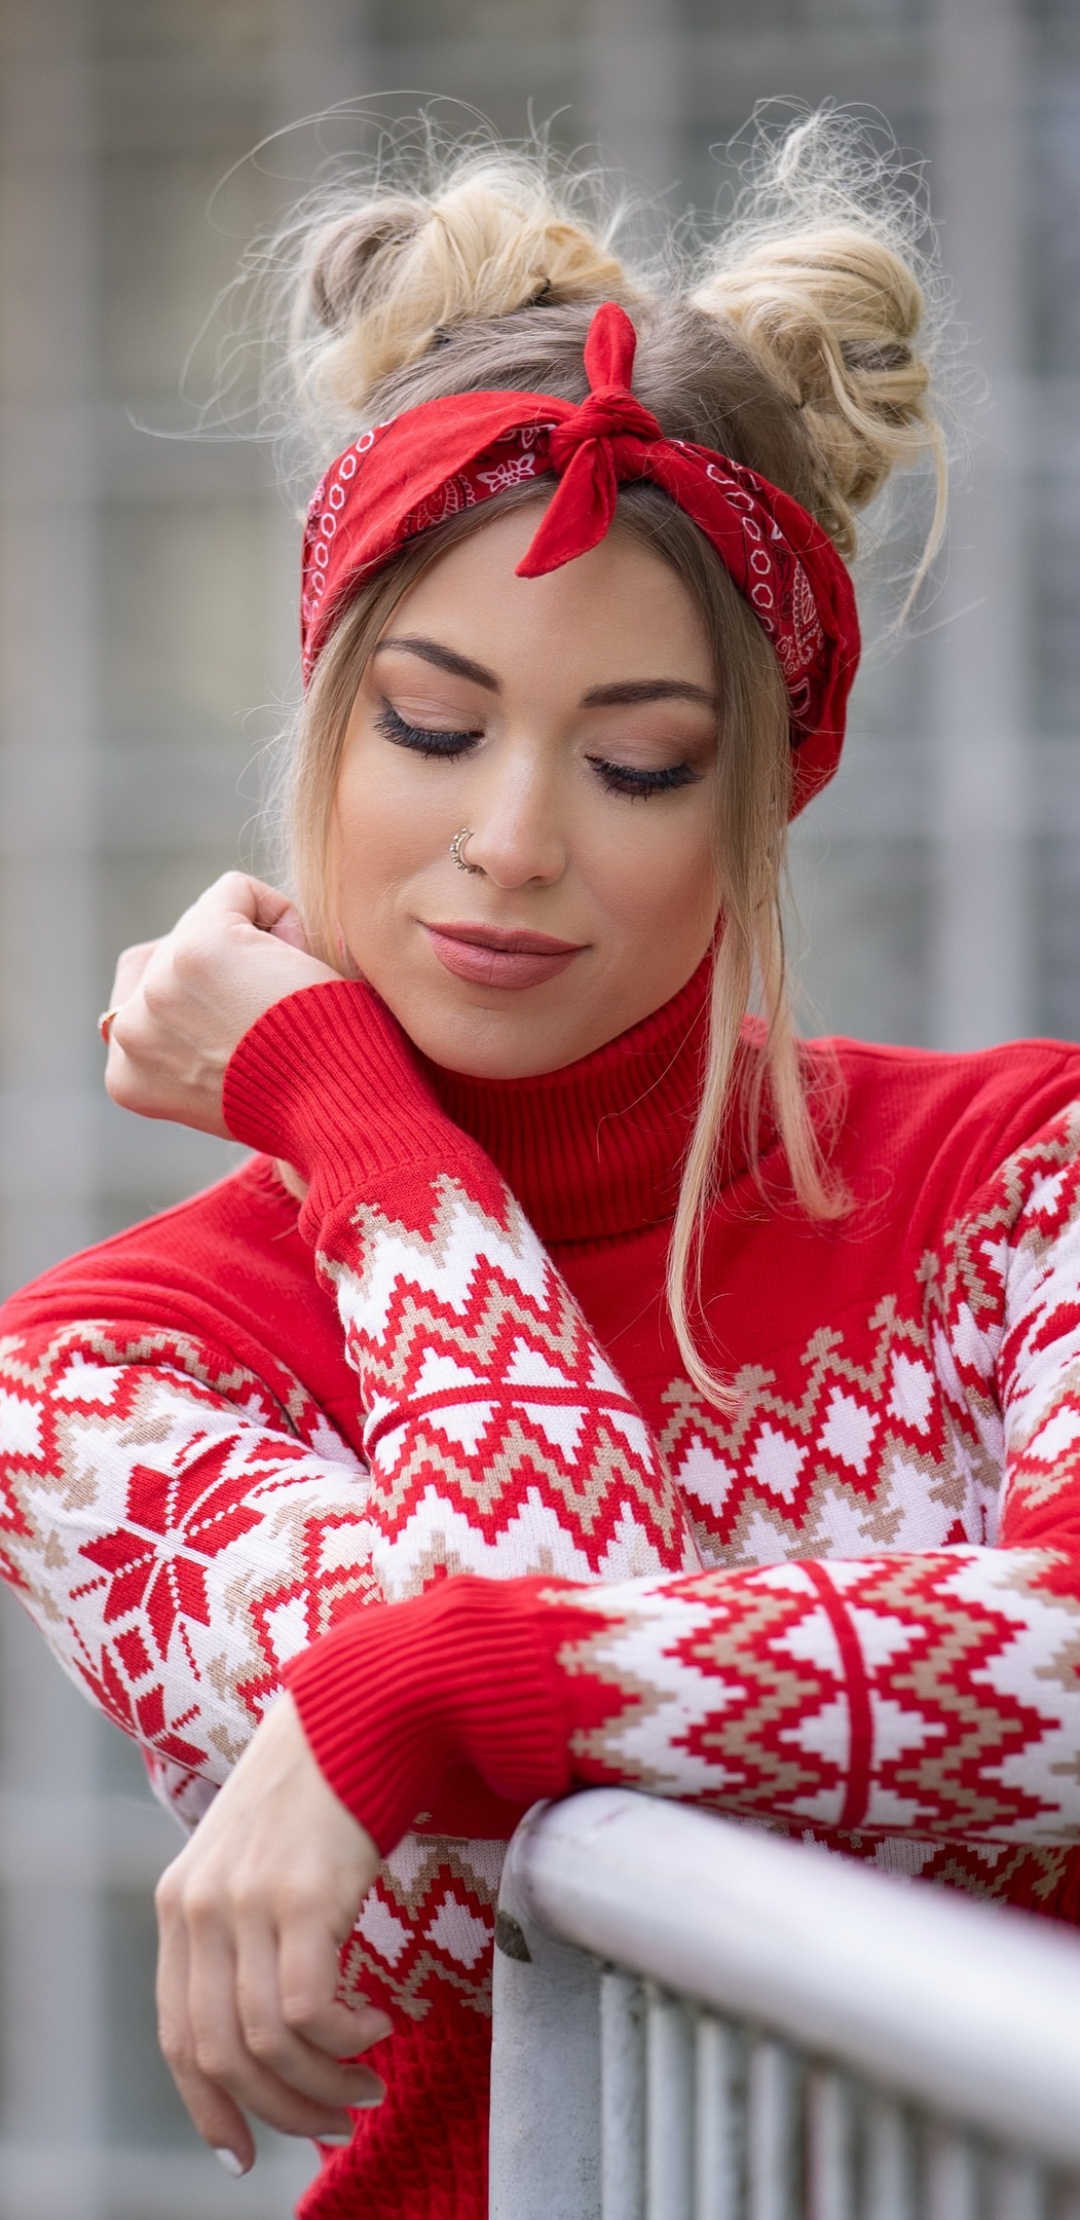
147,628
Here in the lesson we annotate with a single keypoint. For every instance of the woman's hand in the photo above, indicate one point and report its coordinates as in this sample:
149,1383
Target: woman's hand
183,1004
252,1916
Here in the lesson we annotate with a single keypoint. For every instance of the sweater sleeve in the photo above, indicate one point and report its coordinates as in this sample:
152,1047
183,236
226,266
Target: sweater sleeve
499,1439
178,1534
932,1693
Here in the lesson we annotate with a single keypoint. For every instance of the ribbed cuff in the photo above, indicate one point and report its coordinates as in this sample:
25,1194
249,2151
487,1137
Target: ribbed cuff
465,1675
326,1079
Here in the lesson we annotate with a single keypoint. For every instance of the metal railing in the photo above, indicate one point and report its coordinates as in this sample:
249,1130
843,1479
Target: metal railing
696,2020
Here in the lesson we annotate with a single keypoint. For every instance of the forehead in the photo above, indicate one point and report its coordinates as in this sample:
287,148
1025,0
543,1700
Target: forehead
619,612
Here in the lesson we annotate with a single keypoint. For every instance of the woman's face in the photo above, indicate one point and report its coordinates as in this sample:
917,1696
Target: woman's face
571,722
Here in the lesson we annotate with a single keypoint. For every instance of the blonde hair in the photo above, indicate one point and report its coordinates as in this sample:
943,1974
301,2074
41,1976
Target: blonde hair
790,342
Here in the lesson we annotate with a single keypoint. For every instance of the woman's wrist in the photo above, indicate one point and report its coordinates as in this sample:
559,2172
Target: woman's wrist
403,1695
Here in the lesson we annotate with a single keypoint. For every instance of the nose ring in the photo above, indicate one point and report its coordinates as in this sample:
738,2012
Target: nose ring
456,849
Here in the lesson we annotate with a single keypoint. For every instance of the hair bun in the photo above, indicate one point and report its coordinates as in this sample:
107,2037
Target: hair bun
833,316
386,277
343,251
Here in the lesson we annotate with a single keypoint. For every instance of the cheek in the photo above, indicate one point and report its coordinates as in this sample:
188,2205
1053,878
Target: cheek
387,826
661,871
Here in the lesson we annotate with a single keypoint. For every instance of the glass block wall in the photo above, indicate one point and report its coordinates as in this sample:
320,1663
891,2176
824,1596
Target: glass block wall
147,632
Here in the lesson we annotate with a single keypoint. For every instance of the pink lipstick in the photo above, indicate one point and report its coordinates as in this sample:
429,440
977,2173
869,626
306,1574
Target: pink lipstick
491,956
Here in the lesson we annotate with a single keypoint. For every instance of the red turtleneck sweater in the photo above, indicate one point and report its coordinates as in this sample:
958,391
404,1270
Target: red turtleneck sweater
242,1443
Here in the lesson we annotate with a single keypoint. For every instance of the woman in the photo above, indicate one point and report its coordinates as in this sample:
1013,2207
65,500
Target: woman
583,1382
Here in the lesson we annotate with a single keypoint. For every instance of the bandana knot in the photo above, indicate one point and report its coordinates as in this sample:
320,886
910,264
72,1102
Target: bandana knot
611,412
603,440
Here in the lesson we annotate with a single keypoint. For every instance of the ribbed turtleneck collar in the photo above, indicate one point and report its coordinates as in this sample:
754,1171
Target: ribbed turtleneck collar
597,1148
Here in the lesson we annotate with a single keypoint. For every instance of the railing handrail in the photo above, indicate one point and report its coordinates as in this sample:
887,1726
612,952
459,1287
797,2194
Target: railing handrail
968,2009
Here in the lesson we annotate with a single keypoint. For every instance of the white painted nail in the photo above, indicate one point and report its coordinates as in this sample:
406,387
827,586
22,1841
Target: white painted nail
339,2137
231,2163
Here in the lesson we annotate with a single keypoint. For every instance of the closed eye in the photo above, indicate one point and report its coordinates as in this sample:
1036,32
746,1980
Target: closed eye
422,738
622,778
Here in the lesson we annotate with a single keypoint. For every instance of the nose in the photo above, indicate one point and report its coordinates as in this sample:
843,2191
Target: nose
518,837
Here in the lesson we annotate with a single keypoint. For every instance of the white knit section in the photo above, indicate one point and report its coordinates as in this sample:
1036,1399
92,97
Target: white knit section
202,1613
532,1540
499,1439
668,1698
1038,1667
647,1741
442,1264
1042,1318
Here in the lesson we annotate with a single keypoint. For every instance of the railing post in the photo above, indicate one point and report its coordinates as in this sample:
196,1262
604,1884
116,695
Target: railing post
545,2069
693,2018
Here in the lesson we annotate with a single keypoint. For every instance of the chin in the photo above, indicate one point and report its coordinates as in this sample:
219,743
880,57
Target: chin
487,1044
486,1056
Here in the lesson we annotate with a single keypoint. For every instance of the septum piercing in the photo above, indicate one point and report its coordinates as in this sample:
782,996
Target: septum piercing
456,847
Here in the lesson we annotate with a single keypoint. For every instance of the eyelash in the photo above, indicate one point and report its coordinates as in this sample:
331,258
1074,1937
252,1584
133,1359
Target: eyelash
445,744
618,778
638,785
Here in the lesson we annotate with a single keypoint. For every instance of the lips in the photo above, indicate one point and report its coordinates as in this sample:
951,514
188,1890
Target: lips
492,956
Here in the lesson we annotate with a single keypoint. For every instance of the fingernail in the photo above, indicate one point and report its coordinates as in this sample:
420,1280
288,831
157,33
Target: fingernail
367,2104
233,2165
338,2137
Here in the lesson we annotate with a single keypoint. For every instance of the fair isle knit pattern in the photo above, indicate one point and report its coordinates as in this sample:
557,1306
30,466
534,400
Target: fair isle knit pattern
175,1534
495,1432
896,1696
933,1693
228,1437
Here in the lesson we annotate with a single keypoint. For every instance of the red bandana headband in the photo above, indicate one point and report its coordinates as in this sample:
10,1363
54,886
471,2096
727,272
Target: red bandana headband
398,480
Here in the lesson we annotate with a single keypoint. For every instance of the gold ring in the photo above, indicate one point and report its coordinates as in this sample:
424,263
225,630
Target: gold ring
104,1023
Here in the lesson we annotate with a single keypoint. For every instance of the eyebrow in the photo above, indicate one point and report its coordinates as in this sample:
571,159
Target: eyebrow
623,694
444,659
626,692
